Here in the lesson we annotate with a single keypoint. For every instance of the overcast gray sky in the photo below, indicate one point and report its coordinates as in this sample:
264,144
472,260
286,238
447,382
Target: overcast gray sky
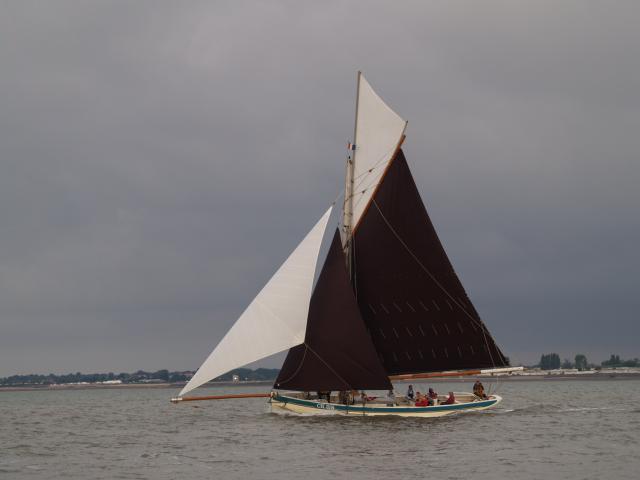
159,160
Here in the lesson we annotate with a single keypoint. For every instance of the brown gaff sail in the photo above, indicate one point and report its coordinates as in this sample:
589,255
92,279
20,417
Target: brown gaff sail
418,314
337,353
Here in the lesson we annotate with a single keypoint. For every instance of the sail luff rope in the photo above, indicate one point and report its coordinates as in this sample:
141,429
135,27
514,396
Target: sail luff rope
297,369
476,321
354,282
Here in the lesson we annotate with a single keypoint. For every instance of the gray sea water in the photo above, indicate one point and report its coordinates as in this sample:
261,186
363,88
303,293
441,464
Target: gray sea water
542,429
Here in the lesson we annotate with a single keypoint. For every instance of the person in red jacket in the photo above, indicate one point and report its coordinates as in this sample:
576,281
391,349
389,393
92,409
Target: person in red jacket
451,400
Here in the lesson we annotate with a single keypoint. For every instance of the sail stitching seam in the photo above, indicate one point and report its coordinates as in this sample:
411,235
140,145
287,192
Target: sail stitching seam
275,316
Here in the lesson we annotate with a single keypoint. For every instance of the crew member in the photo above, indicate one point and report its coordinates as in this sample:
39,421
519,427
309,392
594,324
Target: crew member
450,400
410,393
478,390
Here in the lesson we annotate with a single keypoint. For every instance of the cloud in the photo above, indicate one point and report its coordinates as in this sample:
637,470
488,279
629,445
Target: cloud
158,162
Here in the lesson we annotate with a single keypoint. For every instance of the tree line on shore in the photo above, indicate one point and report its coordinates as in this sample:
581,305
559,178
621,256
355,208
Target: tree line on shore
141,376
548,361
551,361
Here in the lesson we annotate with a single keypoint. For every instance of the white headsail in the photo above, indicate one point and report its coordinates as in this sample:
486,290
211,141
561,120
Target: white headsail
378,133
275,320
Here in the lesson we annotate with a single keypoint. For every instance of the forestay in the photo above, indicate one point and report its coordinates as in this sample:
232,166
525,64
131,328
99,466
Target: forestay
275,320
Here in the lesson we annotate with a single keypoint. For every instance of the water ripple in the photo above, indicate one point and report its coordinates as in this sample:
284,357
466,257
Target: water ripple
570,430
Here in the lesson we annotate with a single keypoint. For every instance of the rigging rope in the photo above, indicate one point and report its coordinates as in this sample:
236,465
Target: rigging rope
308,348
329,367
304,355
380,162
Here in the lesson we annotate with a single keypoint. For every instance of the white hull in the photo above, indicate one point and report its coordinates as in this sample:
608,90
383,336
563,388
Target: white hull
294,404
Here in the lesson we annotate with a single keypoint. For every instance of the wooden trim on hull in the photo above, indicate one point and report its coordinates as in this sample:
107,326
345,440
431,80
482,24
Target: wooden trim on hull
417,376
297,405
455,373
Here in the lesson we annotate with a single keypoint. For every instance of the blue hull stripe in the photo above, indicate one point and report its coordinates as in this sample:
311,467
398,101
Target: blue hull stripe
355,408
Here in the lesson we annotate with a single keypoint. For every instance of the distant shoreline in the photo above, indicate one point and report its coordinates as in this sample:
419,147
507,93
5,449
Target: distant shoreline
466,379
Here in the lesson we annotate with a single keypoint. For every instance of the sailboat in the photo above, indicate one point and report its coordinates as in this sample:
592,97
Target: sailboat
383,304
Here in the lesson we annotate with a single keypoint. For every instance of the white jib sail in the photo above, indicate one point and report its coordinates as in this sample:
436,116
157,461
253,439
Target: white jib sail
275,320
378,133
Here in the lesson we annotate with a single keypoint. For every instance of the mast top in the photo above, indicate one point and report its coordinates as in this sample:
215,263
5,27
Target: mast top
378,133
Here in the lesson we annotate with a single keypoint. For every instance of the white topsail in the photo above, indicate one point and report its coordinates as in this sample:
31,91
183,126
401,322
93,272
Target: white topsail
378,134
275,320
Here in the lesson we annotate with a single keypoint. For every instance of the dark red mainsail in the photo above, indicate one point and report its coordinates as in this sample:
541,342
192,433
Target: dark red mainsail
418,314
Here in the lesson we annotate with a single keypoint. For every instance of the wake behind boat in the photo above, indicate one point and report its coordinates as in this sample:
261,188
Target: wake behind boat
386,305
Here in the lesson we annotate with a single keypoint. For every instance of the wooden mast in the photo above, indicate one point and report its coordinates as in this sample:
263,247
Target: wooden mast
348,194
